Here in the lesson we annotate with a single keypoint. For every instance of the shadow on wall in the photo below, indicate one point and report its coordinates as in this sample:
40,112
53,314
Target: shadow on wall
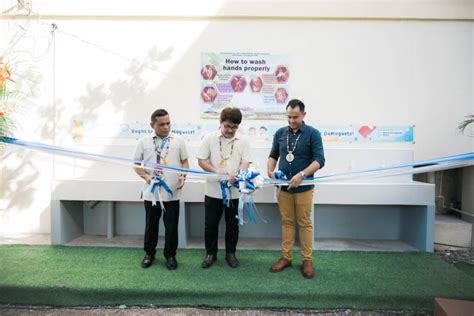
18,180
131,94
19,173
124,95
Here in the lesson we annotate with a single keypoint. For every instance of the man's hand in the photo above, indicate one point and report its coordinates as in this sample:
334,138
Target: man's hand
221,171
232,179
149,178
296,181
271,174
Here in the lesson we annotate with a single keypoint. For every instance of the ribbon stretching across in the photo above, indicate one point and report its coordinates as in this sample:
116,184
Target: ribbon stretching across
250,180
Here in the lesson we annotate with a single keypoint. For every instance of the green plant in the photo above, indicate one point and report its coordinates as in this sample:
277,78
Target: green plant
15,98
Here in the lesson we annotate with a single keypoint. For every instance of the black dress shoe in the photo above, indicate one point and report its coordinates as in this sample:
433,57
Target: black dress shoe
171,263
232,260
208,261
147,261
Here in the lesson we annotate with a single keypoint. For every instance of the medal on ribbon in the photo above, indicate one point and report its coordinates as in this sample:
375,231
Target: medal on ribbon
222,152
290,157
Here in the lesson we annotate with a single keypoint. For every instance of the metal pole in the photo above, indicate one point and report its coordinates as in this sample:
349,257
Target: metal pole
110,219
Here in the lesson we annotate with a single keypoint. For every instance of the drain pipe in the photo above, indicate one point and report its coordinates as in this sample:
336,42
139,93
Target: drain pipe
110,219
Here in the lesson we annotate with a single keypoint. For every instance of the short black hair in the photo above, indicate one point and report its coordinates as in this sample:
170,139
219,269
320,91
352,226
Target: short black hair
158,113
231,114
295,103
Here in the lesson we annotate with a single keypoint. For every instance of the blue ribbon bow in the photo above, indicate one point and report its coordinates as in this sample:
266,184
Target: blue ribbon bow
244,182
226,186
157,182
280,175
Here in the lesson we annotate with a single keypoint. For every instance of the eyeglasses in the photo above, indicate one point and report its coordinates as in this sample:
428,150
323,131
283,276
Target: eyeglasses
231,127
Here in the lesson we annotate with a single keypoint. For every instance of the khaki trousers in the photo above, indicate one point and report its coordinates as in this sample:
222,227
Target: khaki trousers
297,205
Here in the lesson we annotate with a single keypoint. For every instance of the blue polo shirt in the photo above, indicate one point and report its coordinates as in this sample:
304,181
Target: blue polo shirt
309,148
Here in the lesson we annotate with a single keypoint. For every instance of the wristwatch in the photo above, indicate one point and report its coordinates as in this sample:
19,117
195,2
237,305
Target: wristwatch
303,174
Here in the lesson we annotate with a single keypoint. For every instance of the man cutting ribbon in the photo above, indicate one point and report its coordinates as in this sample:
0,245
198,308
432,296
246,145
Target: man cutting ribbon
299,149
223,152
163,148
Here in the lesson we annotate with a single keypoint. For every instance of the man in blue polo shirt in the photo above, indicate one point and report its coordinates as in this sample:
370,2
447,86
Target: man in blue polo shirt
298,148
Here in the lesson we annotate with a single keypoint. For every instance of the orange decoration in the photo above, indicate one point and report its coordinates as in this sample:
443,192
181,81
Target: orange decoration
5,74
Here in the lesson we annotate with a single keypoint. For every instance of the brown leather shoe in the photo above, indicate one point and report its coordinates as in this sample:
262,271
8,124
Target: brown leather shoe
307,269
280,265
232,260
208,261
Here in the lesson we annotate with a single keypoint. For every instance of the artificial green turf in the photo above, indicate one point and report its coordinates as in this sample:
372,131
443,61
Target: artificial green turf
72,276
466,268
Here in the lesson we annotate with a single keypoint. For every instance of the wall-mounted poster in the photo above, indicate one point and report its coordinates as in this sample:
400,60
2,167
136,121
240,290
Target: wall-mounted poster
256,131
256,83
367,133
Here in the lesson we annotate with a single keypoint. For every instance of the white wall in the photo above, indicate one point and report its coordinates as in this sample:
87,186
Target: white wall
411,9
378,70
347,72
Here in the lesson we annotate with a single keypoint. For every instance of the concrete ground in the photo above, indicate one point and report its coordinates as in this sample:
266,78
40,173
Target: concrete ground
122,311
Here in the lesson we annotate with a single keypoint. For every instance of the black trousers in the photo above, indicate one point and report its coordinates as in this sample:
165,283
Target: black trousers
214,209
170,219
